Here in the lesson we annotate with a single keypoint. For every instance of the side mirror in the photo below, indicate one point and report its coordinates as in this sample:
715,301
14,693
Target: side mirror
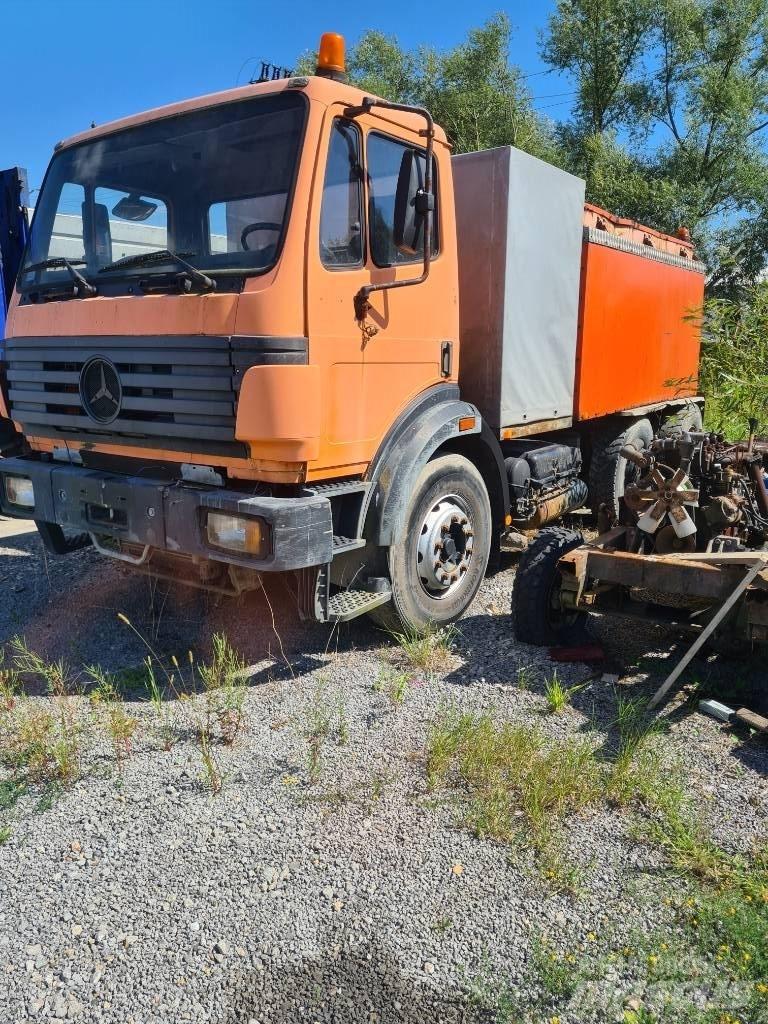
412,204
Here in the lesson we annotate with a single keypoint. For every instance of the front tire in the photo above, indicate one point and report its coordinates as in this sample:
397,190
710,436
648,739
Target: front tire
536,615
438,559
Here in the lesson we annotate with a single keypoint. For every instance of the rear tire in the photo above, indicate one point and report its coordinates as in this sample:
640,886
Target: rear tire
682,421
536,617
609,471
449,509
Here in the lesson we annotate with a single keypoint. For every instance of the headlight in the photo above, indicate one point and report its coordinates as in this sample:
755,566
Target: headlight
19,491
238,533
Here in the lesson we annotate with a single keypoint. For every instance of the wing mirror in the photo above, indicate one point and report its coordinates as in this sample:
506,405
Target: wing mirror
412,203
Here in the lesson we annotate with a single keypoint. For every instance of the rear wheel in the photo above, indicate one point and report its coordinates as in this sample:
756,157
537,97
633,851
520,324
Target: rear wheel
537,615
439,557
683,420
609,471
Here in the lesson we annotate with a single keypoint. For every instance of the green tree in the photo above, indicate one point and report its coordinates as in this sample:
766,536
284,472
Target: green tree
472,91
602,44
669,127
734,361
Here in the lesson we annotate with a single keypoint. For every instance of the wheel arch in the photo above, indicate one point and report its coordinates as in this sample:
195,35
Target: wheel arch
428,427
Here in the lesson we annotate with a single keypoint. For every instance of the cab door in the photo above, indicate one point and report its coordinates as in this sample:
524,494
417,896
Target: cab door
369,371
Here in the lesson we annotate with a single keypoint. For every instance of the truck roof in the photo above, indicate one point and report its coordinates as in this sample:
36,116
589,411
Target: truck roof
317,88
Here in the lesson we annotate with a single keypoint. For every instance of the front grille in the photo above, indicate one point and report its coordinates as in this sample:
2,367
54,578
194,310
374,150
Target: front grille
177,392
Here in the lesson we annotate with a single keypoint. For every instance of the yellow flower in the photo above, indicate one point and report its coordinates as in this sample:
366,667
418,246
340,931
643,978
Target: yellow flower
554,1020
652,959
761,987
591,936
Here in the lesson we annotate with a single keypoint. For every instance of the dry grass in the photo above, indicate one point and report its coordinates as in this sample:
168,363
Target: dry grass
428,650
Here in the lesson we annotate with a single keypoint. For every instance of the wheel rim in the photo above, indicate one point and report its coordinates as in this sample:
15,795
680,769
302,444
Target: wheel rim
445,548
557,615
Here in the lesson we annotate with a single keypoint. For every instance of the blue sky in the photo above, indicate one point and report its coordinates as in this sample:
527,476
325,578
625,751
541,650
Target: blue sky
94,60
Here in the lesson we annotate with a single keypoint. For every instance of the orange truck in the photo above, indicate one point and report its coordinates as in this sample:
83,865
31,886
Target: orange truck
282,329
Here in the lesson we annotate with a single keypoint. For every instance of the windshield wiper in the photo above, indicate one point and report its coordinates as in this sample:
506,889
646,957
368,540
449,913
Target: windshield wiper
83,287
142,259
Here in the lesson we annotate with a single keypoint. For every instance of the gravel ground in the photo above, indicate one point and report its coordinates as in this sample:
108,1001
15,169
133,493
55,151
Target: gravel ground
142,898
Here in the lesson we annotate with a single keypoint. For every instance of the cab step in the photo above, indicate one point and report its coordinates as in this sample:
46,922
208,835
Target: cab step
348,604
341,544
335,488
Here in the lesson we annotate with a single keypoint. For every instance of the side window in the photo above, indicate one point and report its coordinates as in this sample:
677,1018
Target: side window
128,223
341,213
384,158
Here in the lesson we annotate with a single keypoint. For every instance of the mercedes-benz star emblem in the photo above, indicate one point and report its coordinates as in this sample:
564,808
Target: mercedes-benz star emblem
100,389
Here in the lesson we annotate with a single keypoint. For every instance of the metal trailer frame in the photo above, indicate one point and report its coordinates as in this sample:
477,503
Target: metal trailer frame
724,592
599,575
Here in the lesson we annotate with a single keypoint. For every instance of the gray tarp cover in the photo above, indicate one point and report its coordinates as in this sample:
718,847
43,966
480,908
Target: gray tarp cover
519,224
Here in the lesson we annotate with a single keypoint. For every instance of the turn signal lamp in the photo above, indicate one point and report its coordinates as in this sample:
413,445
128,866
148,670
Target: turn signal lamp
238,533
19,491
330,57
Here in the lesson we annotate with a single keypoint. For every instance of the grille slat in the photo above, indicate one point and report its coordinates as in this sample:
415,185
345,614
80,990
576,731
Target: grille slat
178,392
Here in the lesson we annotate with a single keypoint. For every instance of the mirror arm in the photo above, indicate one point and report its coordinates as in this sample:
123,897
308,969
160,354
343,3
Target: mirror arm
362,303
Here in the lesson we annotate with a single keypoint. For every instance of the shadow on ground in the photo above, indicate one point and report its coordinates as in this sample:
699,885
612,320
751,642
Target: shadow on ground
344,986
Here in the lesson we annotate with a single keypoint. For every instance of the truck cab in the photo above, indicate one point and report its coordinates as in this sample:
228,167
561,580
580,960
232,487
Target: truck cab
207,358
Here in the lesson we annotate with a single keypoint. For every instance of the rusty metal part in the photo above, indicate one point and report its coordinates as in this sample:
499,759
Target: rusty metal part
539,427
667,542
710,577
722,509
756,474
635,456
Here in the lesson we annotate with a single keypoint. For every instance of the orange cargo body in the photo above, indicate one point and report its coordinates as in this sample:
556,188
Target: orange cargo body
635,345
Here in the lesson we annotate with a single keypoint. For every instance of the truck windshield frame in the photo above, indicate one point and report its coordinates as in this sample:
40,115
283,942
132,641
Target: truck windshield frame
216,183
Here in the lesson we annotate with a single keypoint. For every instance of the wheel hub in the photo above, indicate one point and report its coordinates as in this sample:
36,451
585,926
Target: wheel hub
445,546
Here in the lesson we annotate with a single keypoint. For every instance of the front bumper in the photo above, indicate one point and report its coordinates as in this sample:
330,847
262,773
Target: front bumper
170,517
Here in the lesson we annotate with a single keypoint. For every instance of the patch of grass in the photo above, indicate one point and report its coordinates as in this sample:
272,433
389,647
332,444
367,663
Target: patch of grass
11,791
526,674
120,725
5,834
161,708
557,695
10,687
396,686
325,719
212,775
558,974
516,784
39,746
428,650
442,925
55,674
224,680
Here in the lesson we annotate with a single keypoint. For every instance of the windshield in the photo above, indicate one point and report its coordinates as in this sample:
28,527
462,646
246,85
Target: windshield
212,186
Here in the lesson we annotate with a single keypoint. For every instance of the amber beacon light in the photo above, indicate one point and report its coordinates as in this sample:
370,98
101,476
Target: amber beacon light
330,57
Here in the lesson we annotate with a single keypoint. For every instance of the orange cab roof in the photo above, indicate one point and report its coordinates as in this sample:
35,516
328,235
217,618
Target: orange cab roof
319,89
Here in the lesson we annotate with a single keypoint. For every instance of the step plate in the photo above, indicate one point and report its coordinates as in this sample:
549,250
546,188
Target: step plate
348,604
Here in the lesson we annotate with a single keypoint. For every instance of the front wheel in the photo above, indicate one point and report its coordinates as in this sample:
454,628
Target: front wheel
438,559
